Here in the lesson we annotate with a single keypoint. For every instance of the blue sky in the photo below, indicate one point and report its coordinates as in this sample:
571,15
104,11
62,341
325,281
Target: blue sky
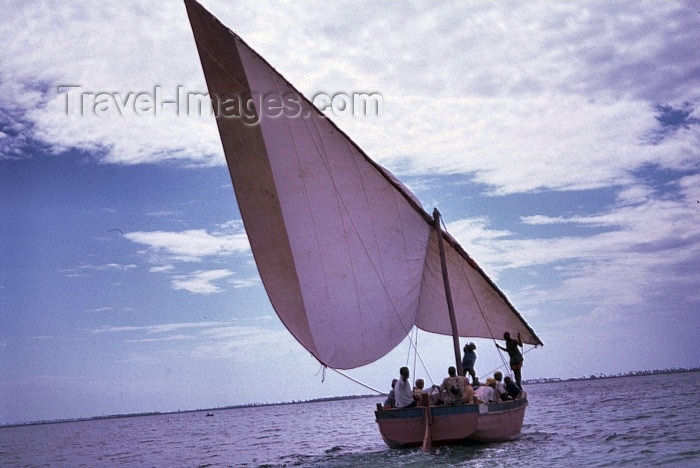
559,140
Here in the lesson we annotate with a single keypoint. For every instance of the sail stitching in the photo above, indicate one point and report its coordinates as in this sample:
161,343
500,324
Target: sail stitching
326,163
371,258
296,154
321,152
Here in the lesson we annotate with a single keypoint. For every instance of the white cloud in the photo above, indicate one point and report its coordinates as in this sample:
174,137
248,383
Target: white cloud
690,188
191,245
161,339
209,339
84,269
162,328
102,48
245,282
244,343
527,143
562,102
645,252
201,282
197,245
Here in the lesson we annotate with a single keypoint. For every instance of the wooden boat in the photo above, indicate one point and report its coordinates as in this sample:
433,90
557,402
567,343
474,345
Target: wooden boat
349,258
447,424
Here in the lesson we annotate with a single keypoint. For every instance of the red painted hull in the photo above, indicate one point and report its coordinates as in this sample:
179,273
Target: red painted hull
496,422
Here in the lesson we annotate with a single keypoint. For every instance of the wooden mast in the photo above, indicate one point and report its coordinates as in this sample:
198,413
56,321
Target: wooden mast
448,292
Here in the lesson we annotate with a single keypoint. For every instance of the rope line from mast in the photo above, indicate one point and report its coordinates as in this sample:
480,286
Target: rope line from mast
408,352
417,355
506,365
481,310
356,381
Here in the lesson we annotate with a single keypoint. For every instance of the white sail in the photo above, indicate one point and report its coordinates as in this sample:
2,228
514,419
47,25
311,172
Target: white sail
345,252
481,309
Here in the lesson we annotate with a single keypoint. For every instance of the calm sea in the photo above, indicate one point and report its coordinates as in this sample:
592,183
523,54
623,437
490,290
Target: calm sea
644,421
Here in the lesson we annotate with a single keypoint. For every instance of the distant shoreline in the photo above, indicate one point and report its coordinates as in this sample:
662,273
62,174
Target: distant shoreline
613,376
347,397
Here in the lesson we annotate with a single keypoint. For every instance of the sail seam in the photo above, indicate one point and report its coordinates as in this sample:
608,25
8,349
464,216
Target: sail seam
362,242
321,150
296,155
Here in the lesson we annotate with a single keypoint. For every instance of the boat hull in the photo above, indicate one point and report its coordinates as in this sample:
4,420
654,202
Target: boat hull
495,422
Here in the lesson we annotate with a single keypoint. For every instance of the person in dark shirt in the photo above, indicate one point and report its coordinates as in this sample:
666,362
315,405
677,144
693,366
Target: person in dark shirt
512,389
516,357
468,362
390,401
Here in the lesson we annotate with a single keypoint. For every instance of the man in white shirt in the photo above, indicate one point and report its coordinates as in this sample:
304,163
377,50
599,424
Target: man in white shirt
403,392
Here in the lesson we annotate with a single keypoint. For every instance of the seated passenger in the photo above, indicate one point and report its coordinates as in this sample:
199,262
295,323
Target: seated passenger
390,401
468,391
501,392
512,388
418,390
486,393
403,392
436,396
452,388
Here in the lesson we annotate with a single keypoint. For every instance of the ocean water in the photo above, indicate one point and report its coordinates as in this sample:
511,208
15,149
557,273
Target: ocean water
648,420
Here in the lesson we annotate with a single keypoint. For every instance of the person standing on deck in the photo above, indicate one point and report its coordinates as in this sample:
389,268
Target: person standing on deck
468,362
516,357
402,390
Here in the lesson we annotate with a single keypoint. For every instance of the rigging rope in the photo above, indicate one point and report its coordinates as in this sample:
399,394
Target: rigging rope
408,353
466,276
415,355
356,381
506,365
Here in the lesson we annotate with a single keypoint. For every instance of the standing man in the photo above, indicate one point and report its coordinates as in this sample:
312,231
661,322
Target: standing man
468,362
516,357
402,390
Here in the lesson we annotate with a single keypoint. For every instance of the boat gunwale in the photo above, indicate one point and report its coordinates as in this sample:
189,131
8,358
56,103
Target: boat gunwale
447,410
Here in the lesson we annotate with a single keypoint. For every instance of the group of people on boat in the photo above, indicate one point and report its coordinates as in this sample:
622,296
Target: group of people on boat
456,389
512,347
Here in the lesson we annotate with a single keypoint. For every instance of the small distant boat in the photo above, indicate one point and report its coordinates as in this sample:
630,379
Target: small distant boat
350,260
208,415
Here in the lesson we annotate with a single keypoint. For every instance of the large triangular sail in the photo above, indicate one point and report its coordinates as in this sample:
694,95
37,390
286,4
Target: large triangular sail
345,251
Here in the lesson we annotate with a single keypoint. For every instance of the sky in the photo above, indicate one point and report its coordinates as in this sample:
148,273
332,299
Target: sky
559,140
